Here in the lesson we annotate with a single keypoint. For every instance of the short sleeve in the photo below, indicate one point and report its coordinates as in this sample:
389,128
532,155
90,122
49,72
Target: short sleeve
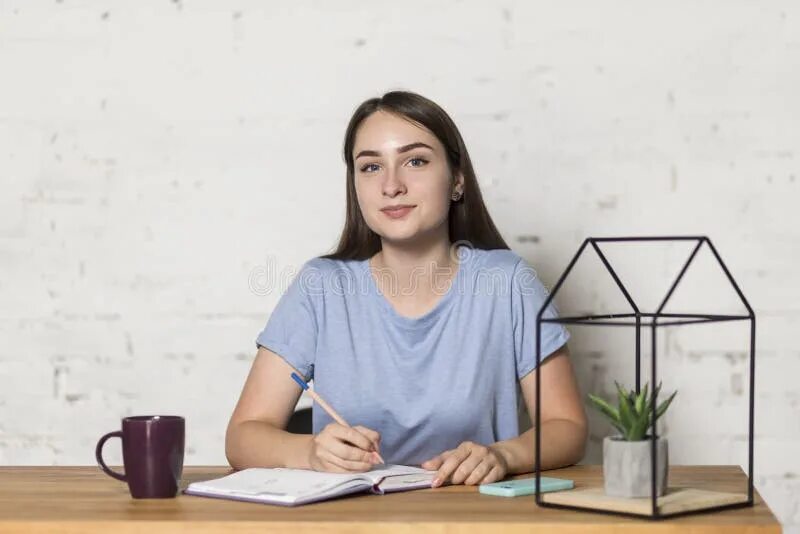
292,328
527,297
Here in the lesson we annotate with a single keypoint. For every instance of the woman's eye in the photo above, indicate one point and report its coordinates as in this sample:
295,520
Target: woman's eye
368,167
422,161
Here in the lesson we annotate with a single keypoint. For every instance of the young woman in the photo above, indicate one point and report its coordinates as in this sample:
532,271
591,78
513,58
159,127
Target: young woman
419,329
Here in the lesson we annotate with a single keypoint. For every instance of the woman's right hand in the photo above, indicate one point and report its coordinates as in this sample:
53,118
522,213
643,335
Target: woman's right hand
342,449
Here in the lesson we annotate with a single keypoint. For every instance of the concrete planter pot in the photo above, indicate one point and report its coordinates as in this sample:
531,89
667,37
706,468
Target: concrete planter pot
627,469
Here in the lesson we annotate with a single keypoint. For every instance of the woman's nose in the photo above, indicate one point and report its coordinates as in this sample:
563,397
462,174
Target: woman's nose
393,185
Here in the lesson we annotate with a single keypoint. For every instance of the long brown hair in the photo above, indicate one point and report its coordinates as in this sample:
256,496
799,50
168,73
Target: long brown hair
468,220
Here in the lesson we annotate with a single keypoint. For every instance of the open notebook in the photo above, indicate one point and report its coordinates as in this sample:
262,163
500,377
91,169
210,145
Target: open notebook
290,487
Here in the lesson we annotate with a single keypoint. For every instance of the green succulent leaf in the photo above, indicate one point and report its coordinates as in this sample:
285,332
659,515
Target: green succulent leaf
626,413
664,405
624,394
641,400
657,391
633,416
639,429
606,408
611,413
649,404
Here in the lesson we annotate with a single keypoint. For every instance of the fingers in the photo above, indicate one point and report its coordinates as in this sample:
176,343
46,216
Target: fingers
450,464
436,462
374,439
351,435
345,449
495,473
470,464
373,436
341,465
347,452
480,472
467,466
338,442
432,464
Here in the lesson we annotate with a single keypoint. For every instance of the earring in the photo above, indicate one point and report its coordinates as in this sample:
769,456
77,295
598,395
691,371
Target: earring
456,196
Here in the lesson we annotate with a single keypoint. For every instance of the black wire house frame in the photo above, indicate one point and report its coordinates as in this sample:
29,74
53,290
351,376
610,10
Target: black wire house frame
641,320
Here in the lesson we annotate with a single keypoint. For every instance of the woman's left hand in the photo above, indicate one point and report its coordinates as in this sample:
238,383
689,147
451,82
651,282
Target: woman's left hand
470,464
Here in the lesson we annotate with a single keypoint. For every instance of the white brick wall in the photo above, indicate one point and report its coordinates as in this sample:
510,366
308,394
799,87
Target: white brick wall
154,154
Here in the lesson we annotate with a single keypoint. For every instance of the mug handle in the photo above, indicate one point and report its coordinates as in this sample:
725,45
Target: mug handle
98,453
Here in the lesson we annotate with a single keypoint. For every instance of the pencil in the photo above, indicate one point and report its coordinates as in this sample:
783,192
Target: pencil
327,407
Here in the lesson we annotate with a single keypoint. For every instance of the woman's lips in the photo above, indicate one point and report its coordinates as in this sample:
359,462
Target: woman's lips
398,213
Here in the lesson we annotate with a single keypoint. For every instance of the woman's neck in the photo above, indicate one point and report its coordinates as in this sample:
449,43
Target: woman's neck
416,273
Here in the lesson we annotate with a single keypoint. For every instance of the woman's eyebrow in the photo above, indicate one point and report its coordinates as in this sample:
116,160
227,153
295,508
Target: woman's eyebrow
400,150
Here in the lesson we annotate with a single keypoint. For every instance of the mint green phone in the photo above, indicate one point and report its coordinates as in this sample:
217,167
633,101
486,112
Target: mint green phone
525,486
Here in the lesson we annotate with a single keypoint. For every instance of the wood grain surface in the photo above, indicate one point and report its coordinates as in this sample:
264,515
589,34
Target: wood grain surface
84,499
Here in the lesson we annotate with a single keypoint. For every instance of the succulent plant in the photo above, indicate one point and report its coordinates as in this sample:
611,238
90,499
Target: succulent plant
633,415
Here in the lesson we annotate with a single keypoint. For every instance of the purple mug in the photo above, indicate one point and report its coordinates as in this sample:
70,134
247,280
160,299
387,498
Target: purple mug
152,453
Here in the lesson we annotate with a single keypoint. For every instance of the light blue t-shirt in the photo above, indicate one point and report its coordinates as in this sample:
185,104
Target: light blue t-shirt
425,383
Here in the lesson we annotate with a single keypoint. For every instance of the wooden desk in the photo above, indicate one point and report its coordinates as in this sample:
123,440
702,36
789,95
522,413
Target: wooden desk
84,500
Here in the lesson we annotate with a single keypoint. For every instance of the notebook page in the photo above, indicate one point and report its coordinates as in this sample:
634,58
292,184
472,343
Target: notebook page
401,478
278,482
387,479
389,470
406,482
295,486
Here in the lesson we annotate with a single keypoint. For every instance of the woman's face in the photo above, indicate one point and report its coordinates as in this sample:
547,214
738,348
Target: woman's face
397,163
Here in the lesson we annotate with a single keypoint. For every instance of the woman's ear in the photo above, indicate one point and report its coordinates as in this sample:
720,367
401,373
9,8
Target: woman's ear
458,186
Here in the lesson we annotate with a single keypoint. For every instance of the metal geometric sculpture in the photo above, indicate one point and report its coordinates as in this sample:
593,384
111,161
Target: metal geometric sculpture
639,320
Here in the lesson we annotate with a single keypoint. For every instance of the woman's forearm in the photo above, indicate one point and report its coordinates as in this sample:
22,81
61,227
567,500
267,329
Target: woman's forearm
259,444
563,443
